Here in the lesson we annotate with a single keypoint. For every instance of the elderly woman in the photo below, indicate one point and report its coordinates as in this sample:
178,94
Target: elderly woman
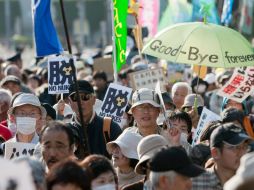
125,157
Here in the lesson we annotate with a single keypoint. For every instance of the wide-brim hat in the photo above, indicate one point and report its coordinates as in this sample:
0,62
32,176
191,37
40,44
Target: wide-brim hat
147,148
144,96
128,142
27,99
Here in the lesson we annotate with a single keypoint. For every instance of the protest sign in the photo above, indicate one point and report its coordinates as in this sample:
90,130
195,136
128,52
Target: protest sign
15,176
17,149
115,102
148,79
60,74
164,111
240,85
104,64
205,117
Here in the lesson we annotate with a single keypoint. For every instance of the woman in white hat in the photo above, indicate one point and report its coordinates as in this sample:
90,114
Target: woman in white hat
125,157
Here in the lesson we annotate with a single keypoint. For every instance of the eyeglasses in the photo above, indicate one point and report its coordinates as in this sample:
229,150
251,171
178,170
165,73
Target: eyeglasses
24,114
148,108
58,148
83,97
245,147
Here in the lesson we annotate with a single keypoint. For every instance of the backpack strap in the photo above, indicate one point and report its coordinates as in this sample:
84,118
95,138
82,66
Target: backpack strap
106,128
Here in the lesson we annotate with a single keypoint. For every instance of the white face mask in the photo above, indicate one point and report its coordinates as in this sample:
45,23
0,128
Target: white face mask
26,125
201,88
105,187
183,138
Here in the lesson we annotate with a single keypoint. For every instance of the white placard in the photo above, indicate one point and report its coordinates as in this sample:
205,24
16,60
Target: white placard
158,92
17,149
60,74
16,176
115,102
240,85
205,117
148,79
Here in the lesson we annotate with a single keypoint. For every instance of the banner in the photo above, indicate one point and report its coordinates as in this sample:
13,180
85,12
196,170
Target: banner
177,11
149,15
17,149
240,85
206,117
148,79
246,19
15,176
46,40
120,31
115,102
60,74
226,15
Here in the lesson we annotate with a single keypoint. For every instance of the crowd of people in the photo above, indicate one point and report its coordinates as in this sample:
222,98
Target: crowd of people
144,151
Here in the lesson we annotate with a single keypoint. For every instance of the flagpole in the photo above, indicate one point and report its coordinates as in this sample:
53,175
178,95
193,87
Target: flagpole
113,41
75,80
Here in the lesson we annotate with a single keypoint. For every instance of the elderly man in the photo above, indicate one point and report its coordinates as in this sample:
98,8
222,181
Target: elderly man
57,143
94,124
189,107
145,110
171,169
28,116
228,143
179,91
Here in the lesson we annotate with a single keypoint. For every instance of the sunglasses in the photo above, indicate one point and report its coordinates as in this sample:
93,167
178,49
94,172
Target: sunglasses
83,97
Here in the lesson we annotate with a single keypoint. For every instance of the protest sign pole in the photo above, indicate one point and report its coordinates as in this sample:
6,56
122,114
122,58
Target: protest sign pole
113,41
75,79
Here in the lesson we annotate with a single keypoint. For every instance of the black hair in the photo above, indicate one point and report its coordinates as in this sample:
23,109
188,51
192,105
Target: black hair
97,165
231,114
133,162
35,77
58,126
68,172
181,116
50,110
100,75
207,131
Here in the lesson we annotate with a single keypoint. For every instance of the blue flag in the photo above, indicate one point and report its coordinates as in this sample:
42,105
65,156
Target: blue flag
226,15
46,40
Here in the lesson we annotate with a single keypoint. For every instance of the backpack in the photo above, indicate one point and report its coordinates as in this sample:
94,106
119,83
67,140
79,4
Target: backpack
106,128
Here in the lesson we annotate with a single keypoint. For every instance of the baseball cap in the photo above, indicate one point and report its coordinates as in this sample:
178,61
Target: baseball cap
27,98
147,148
128,142
143,96
229,133
176,159
189,101
83,86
